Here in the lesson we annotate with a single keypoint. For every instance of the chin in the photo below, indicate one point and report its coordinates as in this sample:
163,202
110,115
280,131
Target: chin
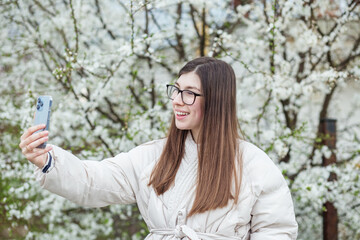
181,126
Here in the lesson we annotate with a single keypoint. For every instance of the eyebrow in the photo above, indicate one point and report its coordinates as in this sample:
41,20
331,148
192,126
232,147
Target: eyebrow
188,88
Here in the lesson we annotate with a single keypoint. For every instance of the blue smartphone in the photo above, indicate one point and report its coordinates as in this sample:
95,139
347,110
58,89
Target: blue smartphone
42,114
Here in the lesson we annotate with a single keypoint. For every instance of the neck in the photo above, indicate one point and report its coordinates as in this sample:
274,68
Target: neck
194,135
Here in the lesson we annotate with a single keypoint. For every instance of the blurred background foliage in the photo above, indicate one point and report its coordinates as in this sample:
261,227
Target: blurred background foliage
106,64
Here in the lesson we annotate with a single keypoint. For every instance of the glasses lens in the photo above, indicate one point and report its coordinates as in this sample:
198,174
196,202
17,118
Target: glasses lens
172,92
188,97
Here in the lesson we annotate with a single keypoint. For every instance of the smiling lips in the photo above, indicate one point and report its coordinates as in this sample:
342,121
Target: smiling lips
181,115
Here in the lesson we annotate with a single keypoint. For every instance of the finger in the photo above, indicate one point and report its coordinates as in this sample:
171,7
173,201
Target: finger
39,152
24,145
39,158
36,143
28,148
32,138
31,130
25,150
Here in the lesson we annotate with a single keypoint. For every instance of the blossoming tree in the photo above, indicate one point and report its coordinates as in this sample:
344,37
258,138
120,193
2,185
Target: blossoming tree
106,64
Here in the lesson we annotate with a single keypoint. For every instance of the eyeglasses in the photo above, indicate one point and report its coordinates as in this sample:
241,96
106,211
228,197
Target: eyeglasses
188,97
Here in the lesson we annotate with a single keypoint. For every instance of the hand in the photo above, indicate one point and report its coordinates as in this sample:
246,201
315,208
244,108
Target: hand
29,142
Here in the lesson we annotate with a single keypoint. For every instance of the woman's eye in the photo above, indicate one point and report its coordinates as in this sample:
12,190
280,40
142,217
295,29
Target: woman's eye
188,93
175,92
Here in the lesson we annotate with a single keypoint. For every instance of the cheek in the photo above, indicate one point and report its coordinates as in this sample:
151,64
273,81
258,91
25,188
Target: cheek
200,114
199,111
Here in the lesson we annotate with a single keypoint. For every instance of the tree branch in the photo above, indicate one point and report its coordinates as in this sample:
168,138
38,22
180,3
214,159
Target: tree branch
192,11
203,36
137,98
342,65
45,9
98,11
75,28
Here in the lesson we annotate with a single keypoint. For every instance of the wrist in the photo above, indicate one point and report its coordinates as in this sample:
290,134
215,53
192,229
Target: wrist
48,164
42,164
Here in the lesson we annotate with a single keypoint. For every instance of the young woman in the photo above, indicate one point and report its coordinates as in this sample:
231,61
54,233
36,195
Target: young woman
201,182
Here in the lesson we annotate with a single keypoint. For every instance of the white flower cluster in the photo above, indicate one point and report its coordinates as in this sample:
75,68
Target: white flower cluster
106,65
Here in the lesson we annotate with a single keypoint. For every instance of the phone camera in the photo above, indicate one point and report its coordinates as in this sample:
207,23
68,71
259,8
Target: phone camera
39,104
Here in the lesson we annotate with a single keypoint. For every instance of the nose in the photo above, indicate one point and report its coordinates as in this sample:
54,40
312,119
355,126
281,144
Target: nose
177,100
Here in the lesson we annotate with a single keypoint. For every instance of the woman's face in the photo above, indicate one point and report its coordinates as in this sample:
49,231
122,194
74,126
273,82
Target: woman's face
189,117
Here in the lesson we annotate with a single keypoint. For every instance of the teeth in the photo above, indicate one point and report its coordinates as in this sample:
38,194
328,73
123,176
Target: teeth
181,113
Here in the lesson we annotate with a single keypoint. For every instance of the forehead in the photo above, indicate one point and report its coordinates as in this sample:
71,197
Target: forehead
189,81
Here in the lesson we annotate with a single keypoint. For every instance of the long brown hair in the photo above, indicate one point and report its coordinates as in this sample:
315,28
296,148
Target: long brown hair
220,164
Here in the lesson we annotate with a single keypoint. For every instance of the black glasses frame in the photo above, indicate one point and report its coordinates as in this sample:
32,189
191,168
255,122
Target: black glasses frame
168,86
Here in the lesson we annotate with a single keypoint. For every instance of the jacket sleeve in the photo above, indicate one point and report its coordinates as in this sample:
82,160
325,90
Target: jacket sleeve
91,183
273,216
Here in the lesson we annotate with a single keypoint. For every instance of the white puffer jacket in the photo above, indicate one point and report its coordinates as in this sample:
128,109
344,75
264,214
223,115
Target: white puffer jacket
264,211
